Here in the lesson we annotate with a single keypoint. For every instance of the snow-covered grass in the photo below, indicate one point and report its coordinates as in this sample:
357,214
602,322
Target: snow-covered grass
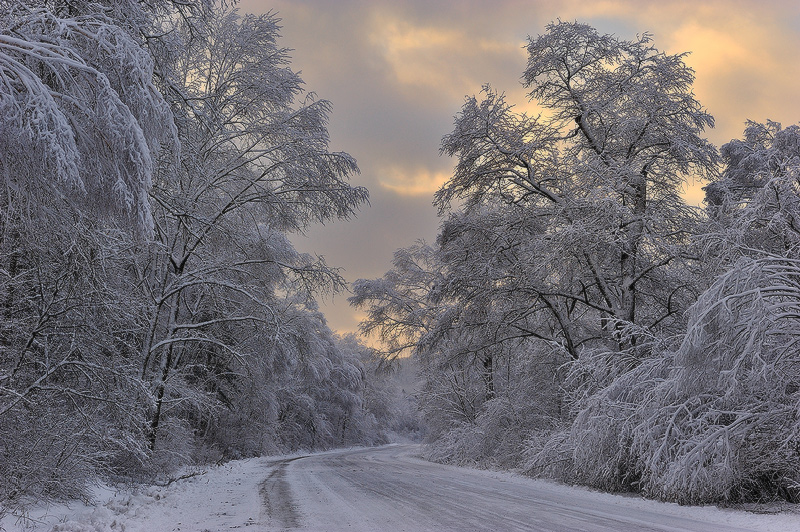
216,498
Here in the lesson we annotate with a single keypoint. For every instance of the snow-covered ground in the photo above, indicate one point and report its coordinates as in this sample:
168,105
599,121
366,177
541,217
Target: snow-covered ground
384,488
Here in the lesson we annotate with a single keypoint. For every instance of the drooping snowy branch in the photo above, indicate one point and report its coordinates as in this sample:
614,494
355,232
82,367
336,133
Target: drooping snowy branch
79,111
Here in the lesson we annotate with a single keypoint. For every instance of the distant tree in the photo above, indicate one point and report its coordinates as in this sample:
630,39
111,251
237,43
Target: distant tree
398,307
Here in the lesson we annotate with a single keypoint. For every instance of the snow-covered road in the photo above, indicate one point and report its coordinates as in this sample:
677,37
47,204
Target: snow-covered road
379,489
389,489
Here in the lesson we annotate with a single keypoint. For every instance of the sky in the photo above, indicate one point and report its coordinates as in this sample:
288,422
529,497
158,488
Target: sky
397,72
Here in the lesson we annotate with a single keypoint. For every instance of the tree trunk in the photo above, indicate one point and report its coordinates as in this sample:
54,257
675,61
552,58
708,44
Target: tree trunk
488,376
629,255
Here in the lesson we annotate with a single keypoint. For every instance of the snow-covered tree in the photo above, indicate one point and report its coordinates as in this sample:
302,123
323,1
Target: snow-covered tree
68,346
154,159
81,126
707,418
711,419
722,425
254,166
79,114
714,415
600,174
755,206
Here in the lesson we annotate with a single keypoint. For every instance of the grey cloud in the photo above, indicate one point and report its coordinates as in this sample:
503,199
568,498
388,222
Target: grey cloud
364,247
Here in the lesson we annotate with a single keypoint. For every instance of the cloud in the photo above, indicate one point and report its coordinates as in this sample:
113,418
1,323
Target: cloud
413,181
745,69
448,62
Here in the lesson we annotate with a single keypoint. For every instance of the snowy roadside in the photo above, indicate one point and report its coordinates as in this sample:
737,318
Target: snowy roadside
223,497
229,497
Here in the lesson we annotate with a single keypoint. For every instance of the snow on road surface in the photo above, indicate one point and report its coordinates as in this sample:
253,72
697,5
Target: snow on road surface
382,489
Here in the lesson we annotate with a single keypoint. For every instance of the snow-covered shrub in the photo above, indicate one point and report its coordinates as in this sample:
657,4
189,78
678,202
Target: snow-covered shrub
460,445
603,427
494,439
497,439
550,454
724,422
174,447
525,403
589,443
715,419
247,426
48,457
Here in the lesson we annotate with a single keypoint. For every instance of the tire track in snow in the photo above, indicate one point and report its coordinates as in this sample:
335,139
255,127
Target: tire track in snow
277,504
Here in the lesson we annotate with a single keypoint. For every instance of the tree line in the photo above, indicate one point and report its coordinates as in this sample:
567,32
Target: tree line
576,318
155,158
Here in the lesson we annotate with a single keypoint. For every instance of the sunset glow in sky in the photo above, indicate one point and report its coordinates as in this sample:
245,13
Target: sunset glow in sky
398,71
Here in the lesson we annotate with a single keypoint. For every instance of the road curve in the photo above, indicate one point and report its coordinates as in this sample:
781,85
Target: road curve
389,489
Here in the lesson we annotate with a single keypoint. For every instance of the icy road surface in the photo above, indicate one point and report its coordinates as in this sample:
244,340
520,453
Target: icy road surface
380,489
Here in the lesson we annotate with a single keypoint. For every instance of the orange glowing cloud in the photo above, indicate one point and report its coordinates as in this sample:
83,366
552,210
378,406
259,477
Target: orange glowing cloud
413,182
446,62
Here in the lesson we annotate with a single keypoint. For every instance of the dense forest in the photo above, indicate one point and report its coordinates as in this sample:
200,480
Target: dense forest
155,157
576,318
